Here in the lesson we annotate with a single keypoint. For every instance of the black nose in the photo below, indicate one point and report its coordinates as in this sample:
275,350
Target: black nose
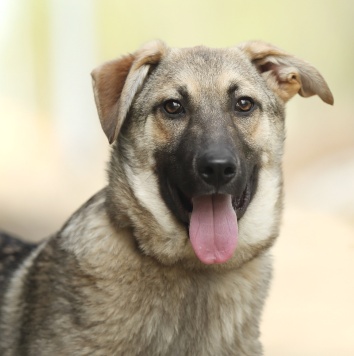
217,168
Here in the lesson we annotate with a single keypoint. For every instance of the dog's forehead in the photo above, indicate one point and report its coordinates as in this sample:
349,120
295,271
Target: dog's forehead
207,58
209,68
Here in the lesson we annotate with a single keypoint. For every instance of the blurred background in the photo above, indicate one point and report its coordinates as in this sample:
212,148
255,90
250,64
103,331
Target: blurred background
53,153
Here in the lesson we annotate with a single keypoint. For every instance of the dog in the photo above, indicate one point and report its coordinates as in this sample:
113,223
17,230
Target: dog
172,257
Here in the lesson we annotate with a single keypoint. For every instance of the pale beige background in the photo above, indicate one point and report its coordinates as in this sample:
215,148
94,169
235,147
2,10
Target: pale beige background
53,153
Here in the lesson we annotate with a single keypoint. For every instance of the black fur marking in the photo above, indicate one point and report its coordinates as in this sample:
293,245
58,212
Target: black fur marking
12,252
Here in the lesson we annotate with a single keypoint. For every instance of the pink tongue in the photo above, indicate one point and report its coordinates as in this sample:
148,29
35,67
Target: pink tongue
213,228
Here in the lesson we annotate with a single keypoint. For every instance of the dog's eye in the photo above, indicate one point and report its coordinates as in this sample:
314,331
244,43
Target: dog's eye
173,107
244,104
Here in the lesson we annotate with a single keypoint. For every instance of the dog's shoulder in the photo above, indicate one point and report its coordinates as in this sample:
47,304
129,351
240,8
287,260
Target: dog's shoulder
12,252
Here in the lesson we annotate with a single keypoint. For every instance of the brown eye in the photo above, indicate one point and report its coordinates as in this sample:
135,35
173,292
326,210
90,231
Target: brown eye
173,107
244,105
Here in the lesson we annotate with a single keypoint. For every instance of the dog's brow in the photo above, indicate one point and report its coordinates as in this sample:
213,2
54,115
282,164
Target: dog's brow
232,88
183,91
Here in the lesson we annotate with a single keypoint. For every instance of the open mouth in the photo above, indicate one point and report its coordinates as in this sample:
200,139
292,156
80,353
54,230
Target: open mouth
183,205
211,220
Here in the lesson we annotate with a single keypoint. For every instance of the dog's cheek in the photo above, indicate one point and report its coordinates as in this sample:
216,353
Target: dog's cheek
143,138
261,220
161,131
156,131
264,135
163,137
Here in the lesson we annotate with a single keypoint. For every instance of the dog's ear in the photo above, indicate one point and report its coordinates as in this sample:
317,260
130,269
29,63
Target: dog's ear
116,83
285,74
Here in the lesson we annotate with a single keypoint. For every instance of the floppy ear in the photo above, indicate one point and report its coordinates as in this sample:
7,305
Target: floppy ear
285,74
116,83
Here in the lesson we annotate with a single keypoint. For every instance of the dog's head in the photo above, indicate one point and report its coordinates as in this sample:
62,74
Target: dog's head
200,136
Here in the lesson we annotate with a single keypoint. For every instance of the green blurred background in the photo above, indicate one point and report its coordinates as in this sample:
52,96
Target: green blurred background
53,153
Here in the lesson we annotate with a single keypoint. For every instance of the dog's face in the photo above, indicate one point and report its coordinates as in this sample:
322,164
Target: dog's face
200,137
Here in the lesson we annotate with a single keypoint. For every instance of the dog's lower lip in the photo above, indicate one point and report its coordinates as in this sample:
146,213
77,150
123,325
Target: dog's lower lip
186,202
240,204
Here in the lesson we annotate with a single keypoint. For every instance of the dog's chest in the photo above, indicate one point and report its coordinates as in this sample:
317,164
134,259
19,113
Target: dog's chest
162,314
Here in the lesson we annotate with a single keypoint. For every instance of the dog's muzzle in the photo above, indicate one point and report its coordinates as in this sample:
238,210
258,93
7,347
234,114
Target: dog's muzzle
209,194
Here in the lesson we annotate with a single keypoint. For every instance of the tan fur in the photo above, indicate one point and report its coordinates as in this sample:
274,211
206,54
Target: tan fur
109,82
113,94
286,74
121,276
